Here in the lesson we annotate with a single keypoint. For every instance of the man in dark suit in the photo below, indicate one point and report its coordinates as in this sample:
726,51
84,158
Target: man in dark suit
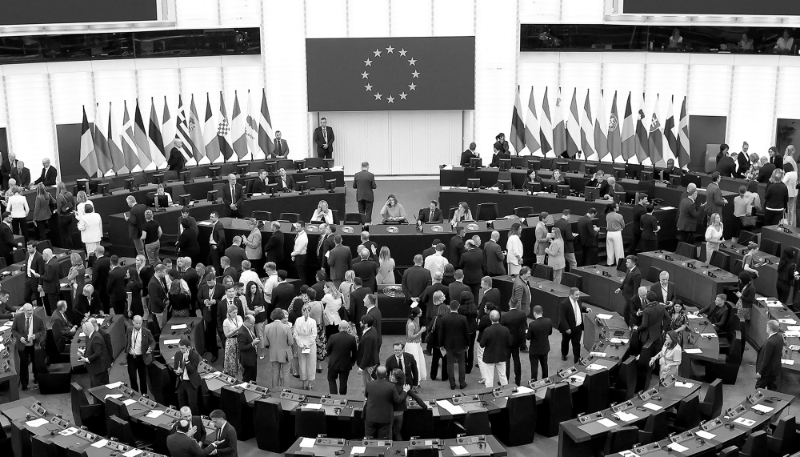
539,331
415,280
636,306
497,342
610,187
96,357
368,353
116,287
49,174
7,239
139,345
283,293
216,245
371,304
21,175
650,228
192,279
516,323
456,287
688,212
726,167
28,331
717,313
233,197
50,280
457,246
324,244
248,342
432,215
371,246
431,250
236,254
339,260
631,282
495,259
100,271
489,294
404,361
365,269
473,265
157,290
357,307
565,227
88,303
743,161
274,246
182,443
187,379
664,290
34,271
63,331
176,160
654,319
570,323
319,286
226,442
454,339
136,220
285,182
468,154
343,351
768,361
379,410
364,183
639,210
281,147
765,172
208,297
323,138
259,185
521,291
195,421
230,298
586,242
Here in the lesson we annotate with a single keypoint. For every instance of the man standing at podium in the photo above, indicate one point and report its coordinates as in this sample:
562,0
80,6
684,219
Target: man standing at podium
364,183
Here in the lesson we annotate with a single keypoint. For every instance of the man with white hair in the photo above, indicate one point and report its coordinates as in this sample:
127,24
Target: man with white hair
664,290
233,196
196,422
139,353
496,342
49,174
688,214
96,357
29,330
768,361
610,187
495,259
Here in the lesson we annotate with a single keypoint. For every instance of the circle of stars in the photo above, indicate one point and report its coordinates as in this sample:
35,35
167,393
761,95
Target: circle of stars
412,62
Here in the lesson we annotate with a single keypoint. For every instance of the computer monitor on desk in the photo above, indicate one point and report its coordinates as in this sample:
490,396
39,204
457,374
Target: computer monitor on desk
562,165
661,174
534,187
504,164
646,175
473,184
562,191
634,170
591,169
547,163
591,193
619,197
157,201
534,164
270,167
314,162
475,162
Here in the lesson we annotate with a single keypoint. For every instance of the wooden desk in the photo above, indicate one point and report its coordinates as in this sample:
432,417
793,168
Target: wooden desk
767,273
113,325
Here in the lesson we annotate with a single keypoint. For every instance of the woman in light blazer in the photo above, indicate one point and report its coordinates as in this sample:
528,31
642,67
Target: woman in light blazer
278,338
91,227
514,249
556,255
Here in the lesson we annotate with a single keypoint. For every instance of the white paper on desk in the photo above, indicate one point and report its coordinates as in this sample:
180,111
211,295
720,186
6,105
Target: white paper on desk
685,385
114,385
787,361
172,341
132,453
308,442
787,321
705,435
458,450
664,208
793,328
204,223
112,396
652,407
178,327
100,443
68,432
693,351
37,422
628,454
449,407
708,335
313,406
744,421
694,316
595,367
627,417
762,408
774,305
523,390
677,447
597,354
358,450
788,334
618,340
154,414
607,423
129,402
242,385
99,320
604,316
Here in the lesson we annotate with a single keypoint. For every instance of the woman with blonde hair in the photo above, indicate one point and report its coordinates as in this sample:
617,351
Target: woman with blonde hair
461,214
322,213
385,273
230,326
713,236
332,301
82,200
305,335
76,280
91,227
556,254
17,205
514,249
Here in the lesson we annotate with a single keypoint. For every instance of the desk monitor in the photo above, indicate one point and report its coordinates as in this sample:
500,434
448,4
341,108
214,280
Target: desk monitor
661,174
315,182
534,164
675,181
160,202
646,175
214,172
185,199
130,184
328,163
619,197
619,172
211,196
562,191
473,184
102,188
591,169
314,162
82,185
286,164
591,193
688,178
271,188
243,167
504,164
562,165
158,178
475,162
300,186
547,163
518,180
534,186
503,186
270,167
575,166
634,170
184,176
330,184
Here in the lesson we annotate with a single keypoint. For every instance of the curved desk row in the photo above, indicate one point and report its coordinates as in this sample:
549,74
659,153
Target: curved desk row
113,325
767,280
481,445
699,283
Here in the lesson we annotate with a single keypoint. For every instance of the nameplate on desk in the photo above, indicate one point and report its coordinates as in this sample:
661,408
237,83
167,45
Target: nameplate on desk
710,425
333,401
622,406
735,411
331,441
292,396
503,392
567,372
646,448
590,417
465,399
424,444
646,395
377,443
540,383
604,316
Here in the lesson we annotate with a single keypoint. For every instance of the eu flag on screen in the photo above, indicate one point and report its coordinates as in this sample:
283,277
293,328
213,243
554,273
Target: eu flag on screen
379,74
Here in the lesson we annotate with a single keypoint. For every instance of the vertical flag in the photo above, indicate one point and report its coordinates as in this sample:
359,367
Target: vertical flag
156,141
210,137
532,126
128,145
237,129
265,133
573,127
601,130
101,144
669,131
196,133
114,142
517,126
224,130
251,128
546,130
642,147
683,137
88,157
182,131
655,137
614,128
628,132
140,139
559,130
587,129
169,128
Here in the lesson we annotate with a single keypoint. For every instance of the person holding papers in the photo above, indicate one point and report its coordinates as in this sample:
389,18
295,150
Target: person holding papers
669,358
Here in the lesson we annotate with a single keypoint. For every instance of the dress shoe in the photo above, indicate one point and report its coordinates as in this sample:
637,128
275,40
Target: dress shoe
451,388
26,387
463,386
319,370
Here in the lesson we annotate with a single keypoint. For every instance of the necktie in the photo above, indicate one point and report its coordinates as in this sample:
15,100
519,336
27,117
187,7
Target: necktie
28,325
400,362
325,134
278,146
431,218
233,196
319,246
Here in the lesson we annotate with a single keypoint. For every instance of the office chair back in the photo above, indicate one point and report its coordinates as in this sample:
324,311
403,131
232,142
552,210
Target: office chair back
770,247
688,415
720,260
486,212
625,384
755,444
655,429
737,267
621,265
543,272
711,406
290,217
686,250
523,211
730,451
309,423
571,280
783,440
621,439
653,274
555,408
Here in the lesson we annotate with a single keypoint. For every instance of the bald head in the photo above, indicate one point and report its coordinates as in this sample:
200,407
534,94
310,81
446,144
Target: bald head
494,316
381,372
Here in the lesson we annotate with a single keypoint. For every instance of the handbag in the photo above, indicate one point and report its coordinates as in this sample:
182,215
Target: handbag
344,314
429,337
749,221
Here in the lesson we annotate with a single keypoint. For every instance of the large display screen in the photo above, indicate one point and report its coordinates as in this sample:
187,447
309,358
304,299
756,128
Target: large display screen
34,12
713,7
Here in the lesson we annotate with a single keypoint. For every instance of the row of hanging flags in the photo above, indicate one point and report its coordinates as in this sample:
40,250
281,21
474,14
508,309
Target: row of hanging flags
135,144
544,131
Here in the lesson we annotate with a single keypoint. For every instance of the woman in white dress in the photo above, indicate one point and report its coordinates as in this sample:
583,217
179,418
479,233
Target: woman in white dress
305,335
385,273
414,343
713,236
514,249
332,300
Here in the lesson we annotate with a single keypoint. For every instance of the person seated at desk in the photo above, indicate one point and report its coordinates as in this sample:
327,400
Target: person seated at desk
676,40
461,214
597,180
432,215
784,44
393,211
322,213
160,191
497,155
746,43
610,187
20,174
285,182
531,179
469,154
557,178
6,310
717,313
260,184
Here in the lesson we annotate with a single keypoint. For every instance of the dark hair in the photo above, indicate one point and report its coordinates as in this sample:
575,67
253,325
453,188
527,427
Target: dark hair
649,208
453,305
185,342
752,186
414,313
367,320
745,278
277,314
399,376
185,223
742,190
217,414
312,293
674,337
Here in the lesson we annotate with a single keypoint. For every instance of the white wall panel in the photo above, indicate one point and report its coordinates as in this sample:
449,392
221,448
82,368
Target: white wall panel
540,71
202,81
709,90
30,126
324,19
411,18
240,13
788,98
368,18
3,104
240,80
666,80
70,91
422,140
453,18
156,84
581,11
117,87
625,78
360,136
197,13
752,117
583,76
539,11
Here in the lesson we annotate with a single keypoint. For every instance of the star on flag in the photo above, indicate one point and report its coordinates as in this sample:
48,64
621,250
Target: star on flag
368,63
390,50
368,86
413,61
402,52
390,99
415,74
403,95
377,52
412,86
364,75
378,96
